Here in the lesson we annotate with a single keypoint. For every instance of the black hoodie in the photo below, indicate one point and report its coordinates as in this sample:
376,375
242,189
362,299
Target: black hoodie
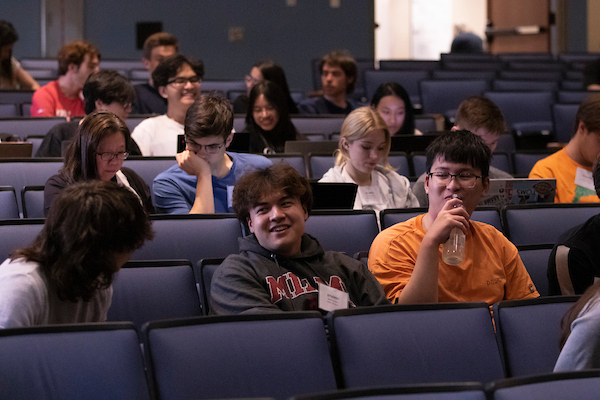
257,280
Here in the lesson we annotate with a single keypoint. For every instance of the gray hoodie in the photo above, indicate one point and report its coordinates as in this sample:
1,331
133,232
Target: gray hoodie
257,280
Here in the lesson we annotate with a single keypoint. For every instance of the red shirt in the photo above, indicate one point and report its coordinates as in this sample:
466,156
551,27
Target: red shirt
50,101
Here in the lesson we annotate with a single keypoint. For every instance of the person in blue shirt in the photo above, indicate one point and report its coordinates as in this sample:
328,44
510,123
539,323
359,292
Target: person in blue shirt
203,179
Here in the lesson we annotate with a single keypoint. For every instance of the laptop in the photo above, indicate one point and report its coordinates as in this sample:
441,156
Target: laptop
16,149
519,191
333,195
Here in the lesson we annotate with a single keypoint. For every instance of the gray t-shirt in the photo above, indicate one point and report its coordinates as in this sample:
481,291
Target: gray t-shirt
26,299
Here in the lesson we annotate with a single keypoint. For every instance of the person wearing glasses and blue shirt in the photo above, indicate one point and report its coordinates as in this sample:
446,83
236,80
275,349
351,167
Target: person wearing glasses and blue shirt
97,152
406,258
203,179
178,80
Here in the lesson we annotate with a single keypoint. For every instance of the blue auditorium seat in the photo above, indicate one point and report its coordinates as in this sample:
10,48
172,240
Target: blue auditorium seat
151,290
535,259
427,343
19,173
32,198
148,167
543,223
443,96
204,271
349,231
580,385
81,361
525,111
529,333
294,160
242,356
18,233
8,203
435,391
191,237
564,121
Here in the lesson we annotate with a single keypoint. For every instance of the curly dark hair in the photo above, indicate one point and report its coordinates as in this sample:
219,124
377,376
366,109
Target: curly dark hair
169,67
74,53
463,147
209,116
252,187
89,223
107,86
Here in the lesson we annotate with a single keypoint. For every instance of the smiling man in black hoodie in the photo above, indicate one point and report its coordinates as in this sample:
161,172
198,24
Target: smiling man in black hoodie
280,267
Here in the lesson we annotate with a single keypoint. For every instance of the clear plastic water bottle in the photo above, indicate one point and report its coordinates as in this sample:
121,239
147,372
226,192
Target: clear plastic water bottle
453,251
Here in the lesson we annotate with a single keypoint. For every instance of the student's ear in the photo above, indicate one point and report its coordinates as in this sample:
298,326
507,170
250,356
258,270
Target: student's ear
162,90
99,105
486,184
427,178
72,68
305,213
455,128
229,140
146,63
582,128
345,144
249,222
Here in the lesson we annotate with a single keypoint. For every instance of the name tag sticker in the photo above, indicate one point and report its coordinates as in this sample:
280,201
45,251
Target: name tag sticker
584,178
229,196
331,299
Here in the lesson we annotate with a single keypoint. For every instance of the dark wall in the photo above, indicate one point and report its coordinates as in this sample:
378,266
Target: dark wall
577,25
27,25
291,36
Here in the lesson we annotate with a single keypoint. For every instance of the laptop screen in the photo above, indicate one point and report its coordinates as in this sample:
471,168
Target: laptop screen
519,191
333,195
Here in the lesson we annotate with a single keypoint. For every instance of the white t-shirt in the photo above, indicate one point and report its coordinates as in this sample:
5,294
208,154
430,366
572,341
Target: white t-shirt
157,136
388,189
25,299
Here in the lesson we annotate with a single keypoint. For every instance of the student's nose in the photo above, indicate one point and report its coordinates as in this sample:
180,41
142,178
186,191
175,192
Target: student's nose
188,84
453,184
276,213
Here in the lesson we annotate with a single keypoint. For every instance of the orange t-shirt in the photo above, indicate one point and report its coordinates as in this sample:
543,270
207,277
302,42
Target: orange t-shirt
574,183
492,270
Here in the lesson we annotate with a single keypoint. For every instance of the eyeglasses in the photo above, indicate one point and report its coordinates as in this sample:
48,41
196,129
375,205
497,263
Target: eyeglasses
210,148
465,180
182,80
110,156
251,81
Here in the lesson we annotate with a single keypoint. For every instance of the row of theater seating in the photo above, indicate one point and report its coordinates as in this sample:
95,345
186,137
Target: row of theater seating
533,229
300,353
22,181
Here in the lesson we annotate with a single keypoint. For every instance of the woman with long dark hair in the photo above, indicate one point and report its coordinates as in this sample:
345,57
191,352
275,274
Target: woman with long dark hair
260,72
12,75
393,103
97,152
268,119
65,275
